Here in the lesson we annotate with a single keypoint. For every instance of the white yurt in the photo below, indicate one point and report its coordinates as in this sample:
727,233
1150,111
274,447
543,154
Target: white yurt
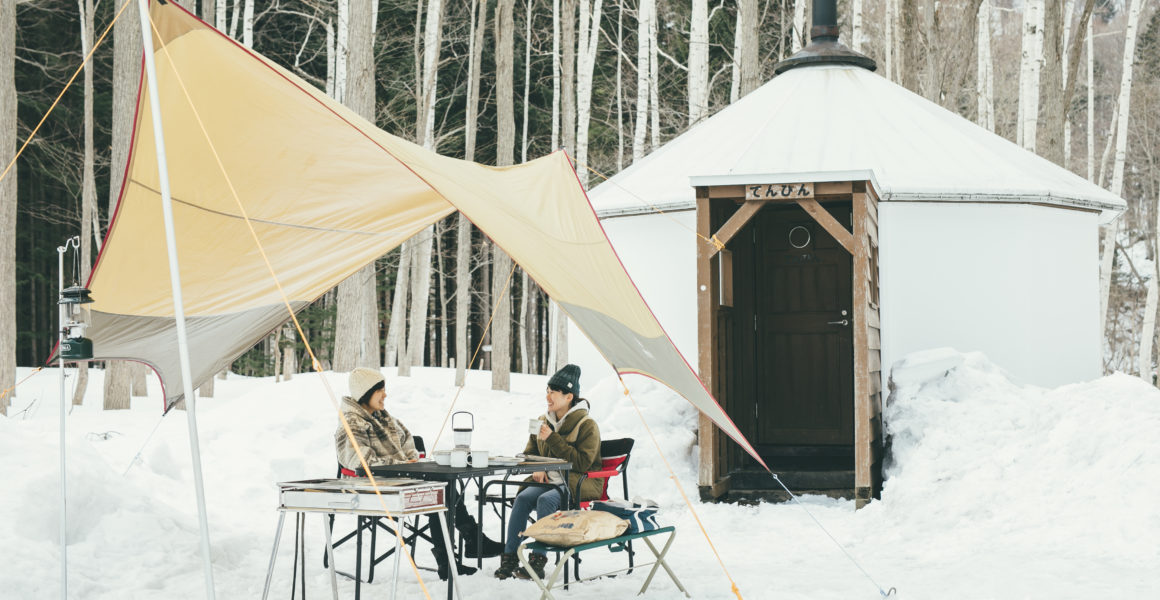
803,239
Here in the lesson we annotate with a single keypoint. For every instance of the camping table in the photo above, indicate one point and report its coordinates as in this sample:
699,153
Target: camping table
356,496
459,476
619,542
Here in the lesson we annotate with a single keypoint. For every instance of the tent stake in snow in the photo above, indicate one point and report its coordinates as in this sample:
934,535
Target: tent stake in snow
178,305
75,242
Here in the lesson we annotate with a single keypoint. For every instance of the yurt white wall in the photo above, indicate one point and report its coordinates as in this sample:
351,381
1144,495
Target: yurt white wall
659,252
1015,281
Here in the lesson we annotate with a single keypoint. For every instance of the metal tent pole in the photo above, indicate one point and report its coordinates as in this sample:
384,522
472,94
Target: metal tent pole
178,305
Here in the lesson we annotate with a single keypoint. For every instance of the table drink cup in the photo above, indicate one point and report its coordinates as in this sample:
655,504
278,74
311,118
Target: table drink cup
534,426
479,458
459,458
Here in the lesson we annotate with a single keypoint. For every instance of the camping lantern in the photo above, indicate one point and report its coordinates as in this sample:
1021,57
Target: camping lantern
73,344
462,434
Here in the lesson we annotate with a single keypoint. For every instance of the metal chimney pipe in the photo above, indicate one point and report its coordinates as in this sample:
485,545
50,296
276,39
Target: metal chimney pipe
824,47
825,20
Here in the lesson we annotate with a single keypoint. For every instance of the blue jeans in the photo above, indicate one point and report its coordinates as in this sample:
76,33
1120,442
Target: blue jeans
546,501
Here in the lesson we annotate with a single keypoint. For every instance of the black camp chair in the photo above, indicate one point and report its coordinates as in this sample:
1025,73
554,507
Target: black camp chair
414,530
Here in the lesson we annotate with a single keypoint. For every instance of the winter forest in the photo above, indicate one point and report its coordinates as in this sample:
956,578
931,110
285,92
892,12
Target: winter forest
500,82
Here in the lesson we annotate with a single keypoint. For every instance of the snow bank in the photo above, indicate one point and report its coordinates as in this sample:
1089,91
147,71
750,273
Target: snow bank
993,491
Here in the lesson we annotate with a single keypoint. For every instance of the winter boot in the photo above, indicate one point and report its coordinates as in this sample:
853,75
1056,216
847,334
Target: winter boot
537,561
445,568
490,547
508,563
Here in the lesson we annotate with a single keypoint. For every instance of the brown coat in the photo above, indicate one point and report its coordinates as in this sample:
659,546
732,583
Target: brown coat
579,446
382,438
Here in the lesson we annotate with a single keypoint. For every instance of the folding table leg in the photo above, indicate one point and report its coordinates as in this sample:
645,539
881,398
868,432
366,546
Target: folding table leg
660,562
274,554
398,551
330,555
452,564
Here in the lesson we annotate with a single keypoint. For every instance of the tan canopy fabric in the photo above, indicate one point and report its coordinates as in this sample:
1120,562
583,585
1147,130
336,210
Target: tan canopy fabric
327,193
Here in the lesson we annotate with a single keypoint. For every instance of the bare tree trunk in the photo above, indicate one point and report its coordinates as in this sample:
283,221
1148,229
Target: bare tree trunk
463,234
462,298
289,358
619,86
1032,57
568,75
441,278
1052,83
698,61
561,346
889,18
138,380
589,43
420,295
205,390
505,151
653,82
522,331
856,25
1124,112
220,15
640,131
248,24
274,353
88,180
207,11
527,77
557,61
1091,103
127,52
799,36
356,335
117,385
985,82
397,329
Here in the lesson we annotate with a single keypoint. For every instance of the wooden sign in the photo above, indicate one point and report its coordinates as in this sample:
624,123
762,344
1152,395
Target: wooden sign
779,191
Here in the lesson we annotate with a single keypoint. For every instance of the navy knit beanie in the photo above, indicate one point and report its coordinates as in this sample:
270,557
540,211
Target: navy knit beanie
567,380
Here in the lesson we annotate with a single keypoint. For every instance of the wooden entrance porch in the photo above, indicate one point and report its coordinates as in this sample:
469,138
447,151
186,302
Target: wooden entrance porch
789,338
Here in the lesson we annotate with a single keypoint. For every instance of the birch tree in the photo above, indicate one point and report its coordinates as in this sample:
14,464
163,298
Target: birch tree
1091,111
1031,59
505,155
589,43
620,86
856,25
698,61
1071,68
1123,116
421,250
356,335
8,128
463,234
1050,142
654,82
799,22
985,80
643,54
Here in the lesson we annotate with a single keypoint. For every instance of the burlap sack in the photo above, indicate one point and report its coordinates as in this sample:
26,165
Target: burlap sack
574,527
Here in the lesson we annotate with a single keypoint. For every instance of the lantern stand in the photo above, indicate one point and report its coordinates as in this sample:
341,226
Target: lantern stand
72,345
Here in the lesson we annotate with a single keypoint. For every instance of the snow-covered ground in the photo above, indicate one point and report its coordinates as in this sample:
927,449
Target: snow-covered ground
993,491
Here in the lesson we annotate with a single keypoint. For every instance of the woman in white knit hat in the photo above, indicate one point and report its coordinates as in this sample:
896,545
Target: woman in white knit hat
384,440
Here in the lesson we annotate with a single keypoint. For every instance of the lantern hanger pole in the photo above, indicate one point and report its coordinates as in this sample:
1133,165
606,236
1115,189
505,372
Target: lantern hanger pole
75,243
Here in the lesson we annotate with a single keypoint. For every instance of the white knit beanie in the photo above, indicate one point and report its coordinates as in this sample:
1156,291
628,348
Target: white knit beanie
361,380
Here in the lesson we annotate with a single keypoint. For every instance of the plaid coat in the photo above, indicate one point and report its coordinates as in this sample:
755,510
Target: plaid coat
383,439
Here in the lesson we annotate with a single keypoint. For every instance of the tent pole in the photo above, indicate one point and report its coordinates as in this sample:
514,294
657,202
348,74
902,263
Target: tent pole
178,304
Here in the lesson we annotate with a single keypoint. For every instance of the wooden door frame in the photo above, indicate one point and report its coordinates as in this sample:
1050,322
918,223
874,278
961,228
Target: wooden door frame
862,243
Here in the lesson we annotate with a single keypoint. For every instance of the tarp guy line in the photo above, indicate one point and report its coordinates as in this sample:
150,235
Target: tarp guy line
313,359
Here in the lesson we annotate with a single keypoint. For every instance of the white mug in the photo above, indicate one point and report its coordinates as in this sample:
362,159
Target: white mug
534,426
459,458
479,458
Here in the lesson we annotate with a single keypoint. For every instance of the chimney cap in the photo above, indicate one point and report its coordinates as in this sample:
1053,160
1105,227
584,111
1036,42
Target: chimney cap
825,51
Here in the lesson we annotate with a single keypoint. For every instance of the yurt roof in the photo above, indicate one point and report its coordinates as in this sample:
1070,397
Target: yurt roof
841,123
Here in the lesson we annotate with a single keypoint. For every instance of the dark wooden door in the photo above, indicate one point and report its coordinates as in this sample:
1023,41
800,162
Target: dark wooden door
804,344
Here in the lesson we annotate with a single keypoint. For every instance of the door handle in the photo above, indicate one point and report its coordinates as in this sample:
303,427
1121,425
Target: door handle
842,322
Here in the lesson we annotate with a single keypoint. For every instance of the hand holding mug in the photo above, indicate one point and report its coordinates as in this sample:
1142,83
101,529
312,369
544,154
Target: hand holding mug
545,431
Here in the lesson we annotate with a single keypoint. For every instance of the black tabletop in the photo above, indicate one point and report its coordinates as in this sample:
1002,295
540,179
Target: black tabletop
433,471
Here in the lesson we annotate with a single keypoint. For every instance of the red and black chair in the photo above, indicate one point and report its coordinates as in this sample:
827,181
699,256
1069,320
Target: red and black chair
614,455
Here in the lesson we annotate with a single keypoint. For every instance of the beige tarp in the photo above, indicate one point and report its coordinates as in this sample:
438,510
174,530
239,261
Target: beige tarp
327,193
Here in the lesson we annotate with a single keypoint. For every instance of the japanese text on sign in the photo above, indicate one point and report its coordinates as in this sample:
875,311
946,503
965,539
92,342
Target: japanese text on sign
779,191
